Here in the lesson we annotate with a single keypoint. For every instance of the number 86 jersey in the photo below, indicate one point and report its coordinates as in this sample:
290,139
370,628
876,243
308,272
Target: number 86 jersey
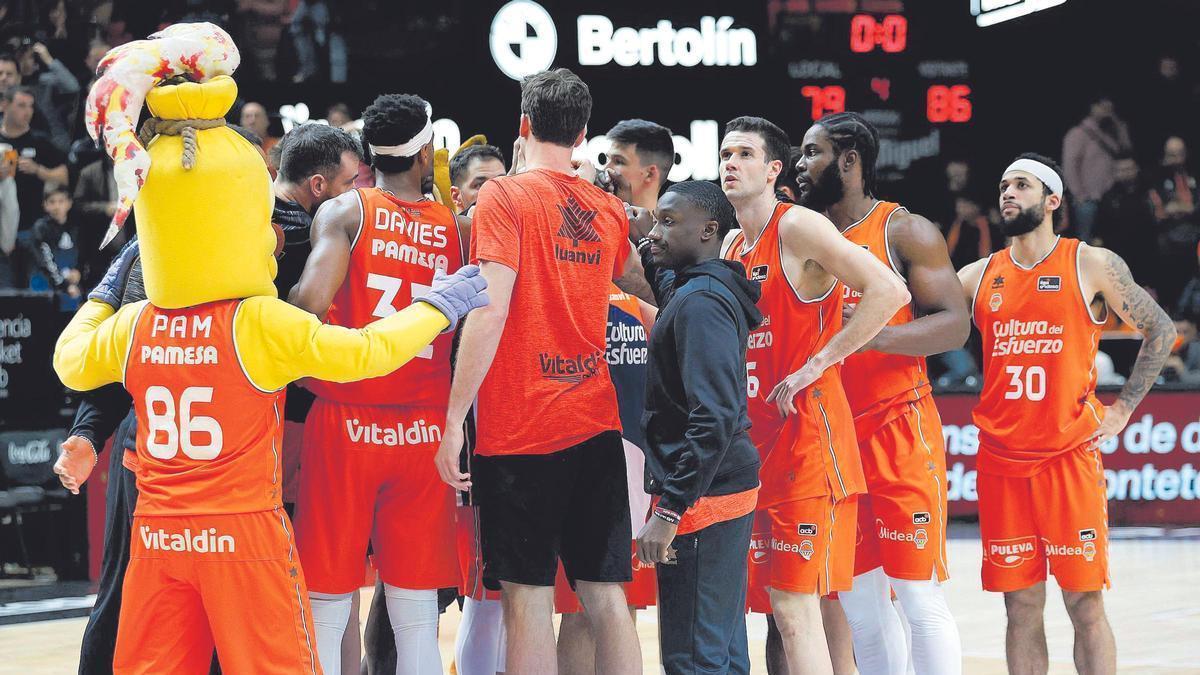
392,261
1039,351
207,438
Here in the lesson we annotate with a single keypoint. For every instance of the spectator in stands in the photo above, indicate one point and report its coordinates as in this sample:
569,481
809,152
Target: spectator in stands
39,162
961,218
260,28
315,34
54,248
10,72
95,203
1183,365
56,90
1175,198
1090,152
969,237
254,117
10,216
1126,223
339,115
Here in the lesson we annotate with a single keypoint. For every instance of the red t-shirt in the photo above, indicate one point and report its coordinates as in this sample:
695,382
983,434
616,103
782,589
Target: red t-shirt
548,387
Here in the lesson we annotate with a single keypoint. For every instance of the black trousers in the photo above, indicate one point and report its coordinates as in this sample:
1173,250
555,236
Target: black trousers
702,601
100,636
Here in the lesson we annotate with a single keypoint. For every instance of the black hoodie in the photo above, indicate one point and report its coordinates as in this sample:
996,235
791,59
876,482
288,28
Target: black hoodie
696,417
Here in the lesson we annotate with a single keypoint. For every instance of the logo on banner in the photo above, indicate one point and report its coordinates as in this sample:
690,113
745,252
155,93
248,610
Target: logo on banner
523,39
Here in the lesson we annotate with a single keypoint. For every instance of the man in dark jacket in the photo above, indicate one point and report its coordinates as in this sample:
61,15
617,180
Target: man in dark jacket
700,463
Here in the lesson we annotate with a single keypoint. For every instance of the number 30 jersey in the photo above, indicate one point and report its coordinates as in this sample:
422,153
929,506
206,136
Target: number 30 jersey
399,246
1039,352
208,438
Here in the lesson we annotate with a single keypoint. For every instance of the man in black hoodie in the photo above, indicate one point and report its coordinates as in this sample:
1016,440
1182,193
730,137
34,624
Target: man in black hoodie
700,463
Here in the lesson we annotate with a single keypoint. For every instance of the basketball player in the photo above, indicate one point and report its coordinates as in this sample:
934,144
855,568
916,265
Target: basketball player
1039,305
470,168
549,472
802,425
640,154
902,519
368,445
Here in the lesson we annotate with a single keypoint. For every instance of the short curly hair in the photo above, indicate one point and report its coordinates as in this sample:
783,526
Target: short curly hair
393,119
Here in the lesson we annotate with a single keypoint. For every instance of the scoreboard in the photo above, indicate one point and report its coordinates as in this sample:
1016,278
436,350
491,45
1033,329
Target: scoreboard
902,70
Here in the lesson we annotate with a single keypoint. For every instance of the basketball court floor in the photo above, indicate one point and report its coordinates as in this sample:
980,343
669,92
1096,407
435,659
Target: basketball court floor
1154,608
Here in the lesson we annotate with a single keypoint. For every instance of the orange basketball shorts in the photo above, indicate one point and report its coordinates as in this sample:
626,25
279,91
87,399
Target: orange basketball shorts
902,519
227,581
802,546
369,477
1057,517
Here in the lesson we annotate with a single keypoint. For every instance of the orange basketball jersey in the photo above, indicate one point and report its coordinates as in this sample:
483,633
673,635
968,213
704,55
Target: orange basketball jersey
392,260
813,452
875,378
207,440
1039,351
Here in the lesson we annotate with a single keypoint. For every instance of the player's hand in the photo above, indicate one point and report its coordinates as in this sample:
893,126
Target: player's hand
585,169
654,542
456,294
112,286
75,462
641,221
518,157
447,456
1116,416
793,384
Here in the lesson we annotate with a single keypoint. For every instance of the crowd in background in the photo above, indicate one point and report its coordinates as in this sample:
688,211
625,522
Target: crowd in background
1132,183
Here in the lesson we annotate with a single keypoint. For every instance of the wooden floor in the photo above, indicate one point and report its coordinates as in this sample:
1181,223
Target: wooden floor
1154,608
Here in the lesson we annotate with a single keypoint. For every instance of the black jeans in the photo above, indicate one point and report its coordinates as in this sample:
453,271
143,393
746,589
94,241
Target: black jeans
100,636
702,601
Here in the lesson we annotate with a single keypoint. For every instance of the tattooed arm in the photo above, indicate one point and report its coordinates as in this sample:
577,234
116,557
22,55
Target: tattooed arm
1106,275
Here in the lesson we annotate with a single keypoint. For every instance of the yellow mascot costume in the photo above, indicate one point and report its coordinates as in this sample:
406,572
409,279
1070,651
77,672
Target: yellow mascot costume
205,360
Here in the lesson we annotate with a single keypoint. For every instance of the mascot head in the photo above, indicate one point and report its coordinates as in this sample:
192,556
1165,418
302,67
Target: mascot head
202,193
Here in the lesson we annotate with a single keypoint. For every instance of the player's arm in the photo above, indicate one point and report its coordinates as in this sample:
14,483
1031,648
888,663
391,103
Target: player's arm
479,340
941,322
632,278
333,230
278,343
92,349
464,228
807,234
1105,273
970,276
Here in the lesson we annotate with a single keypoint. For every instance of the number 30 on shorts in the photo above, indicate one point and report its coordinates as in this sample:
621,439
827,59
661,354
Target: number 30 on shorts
1028,383
178,431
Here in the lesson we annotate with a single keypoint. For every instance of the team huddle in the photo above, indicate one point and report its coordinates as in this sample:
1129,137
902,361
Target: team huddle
712,399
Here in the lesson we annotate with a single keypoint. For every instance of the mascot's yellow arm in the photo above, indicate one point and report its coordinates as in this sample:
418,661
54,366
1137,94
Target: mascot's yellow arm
277,344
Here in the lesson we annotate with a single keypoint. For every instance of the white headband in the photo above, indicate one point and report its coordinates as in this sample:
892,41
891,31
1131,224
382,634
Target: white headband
410,148
1041,171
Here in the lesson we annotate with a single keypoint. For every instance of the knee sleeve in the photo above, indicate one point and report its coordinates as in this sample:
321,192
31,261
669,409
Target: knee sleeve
936,647
331,613
481,640
878,635
414,618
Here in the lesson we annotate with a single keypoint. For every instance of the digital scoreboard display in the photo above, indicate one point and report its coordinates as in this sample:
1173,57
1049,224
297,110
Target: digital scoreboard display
905,75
